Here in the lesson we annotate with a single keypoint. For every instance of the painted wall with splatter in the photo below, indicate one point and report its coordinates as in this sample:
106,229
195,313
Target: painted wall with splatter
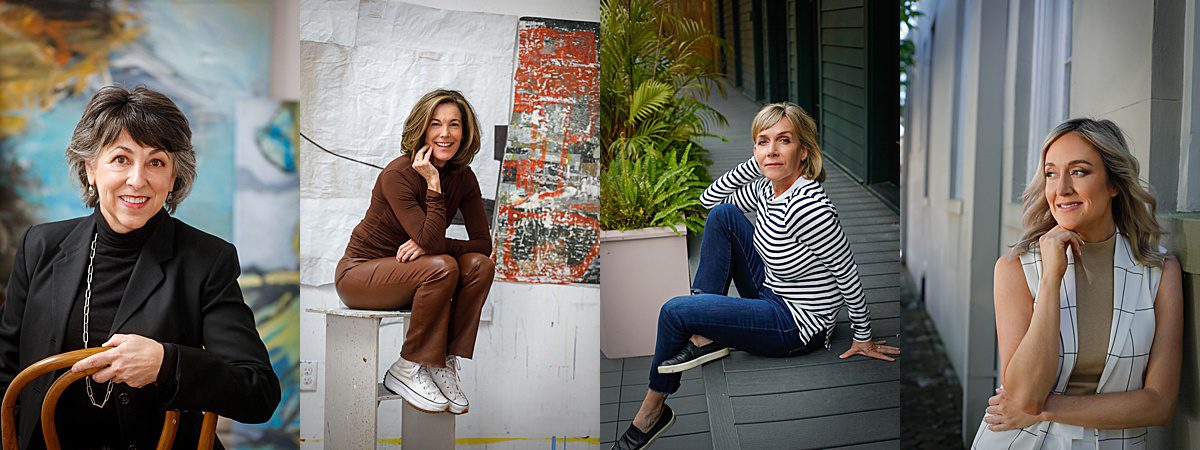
534,379
547,225
207,57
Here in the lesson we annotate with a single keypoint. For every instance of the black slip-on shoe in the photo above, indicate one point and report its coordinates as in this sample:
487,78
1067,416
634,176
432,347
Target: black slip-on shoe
693,356
635,439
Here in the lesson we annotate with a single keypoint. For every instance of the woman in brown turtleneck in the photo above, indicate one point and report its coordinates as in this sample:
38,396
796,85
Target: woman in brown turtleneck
399,254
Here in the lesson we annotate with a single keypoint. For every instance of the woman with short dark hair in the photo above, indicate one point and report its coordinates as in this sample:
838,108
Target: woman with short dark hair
161,294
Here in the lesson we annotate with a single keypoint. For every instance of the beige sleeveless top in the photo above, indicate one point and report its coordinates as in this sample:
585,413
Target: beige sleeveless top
1130,336
1094,291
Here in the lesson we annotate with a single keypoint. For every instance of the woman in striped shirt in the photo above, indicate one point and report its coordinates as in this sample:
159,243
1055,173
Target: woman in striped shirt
794,270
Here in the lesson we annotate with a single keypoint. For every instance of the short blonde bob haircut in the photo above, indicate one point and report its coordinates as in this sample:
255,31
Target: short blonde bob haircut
422,113
806,132
1134,208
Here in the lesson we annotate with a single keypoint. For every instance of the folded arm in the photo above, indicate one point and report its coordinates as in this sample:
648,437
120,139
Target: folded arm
427,227
475,217
736,187
1027,334
1154,403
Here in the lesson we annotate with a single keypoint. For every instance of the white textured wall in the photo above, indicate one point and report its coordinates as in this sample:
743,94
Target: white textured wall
364,67
536,369
554,9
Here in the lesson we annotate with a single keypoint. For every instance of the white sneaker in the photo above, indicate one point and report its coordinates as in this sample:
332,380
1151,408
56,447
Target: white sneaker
411,381
447,380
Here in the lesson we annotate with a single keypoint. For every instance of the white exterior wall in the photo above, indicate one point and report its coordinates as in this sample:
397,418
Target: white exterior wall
935,214
536,371
1112,70
1017,55
939,228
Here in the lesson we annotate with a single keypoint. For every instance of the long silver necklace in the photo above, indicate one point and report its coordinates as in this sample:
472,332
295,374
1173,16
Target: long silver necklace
87,307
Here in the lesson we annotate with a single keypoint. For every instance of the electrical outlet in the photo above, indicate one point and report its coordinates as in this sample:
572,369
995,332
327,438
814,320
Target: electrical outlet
308,376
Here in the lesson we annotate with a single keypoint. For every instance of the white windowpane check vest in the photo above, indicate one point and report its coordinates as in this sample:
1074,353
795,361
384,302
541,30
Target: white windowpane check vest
1131,334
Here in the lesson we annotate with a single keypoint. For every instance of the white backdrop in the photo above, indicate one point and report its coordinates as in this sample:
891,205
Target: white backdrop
536,369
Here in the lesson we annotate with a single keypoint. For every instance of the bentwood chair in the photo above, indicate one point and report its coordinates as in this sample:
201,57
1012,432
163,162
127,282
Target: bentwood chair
49,432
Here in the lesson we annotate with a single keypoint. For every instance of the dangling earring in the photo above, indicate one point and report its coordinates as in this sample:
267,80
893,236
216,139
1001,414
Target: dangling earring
169,195
91,189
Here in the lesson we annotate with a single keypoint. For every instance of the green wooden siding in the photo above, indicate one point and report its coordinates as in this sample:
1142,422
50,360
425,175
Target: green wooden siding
775,50
838,59
732,29
843,84
883,98
747,46
804,33
793,52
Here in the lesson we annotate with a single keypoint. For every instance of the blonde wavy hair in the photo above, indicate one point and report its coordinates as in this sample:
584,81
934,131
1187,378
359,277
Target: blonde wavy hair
422,113
806,129
1134,208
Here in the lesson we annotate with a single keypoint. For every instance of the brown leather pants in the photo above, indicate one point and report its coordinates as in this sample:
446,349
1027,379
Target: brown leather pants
446,293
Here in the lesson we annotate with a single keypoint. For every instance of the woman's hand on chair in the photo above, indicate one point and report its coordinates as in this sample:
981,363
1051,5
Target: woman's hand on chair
425,168
1053,246
409,251
1002,416
133,360
872,349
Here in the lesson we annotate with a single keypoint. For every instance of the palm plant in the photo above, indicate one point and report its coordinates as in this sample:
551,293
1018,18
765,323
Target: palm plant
655,80
656,77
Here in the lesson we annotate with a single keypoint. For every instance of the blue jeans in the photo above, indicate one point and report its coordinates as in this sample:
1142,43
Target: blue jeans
759,323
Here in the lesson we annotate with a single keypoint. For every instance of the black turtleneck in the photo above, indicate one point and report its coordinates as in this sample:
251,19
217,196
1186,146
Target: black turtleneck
116,254
112,267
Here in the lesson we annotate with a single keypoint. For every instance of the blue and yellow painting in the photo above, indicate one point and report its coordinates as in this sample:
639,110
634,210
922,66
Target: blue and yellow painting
212,59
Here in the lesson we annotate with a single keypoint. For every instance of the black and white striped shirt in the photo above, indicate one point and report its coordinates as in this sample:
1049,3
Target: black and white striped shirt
807,256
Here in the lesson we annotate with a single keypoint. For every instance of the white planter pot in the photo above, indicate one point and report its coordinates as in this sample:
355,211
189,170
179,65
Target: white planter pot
639,271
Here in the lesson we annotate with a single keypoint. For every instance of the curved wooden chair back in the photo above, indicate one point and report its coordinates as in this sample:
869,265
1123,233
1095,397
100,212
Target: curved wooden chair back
208,429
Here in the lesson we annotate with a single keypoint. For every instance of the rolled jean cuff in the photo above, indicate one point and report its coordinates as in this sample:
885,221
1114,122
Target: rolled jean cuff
657,382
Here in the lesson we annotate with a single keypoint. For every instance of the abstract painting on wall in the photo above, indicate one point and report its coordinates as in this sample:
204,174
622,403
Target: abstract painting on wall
207,57
547,223
266,226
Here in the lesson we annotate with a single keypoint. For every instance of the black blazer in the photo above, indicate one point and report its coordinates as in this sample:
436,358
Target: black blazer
183,290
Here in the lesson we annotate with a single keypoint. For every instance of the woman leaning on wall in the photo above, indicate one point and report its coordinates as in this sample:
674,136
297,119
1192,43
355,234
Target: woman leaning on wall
1089,307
